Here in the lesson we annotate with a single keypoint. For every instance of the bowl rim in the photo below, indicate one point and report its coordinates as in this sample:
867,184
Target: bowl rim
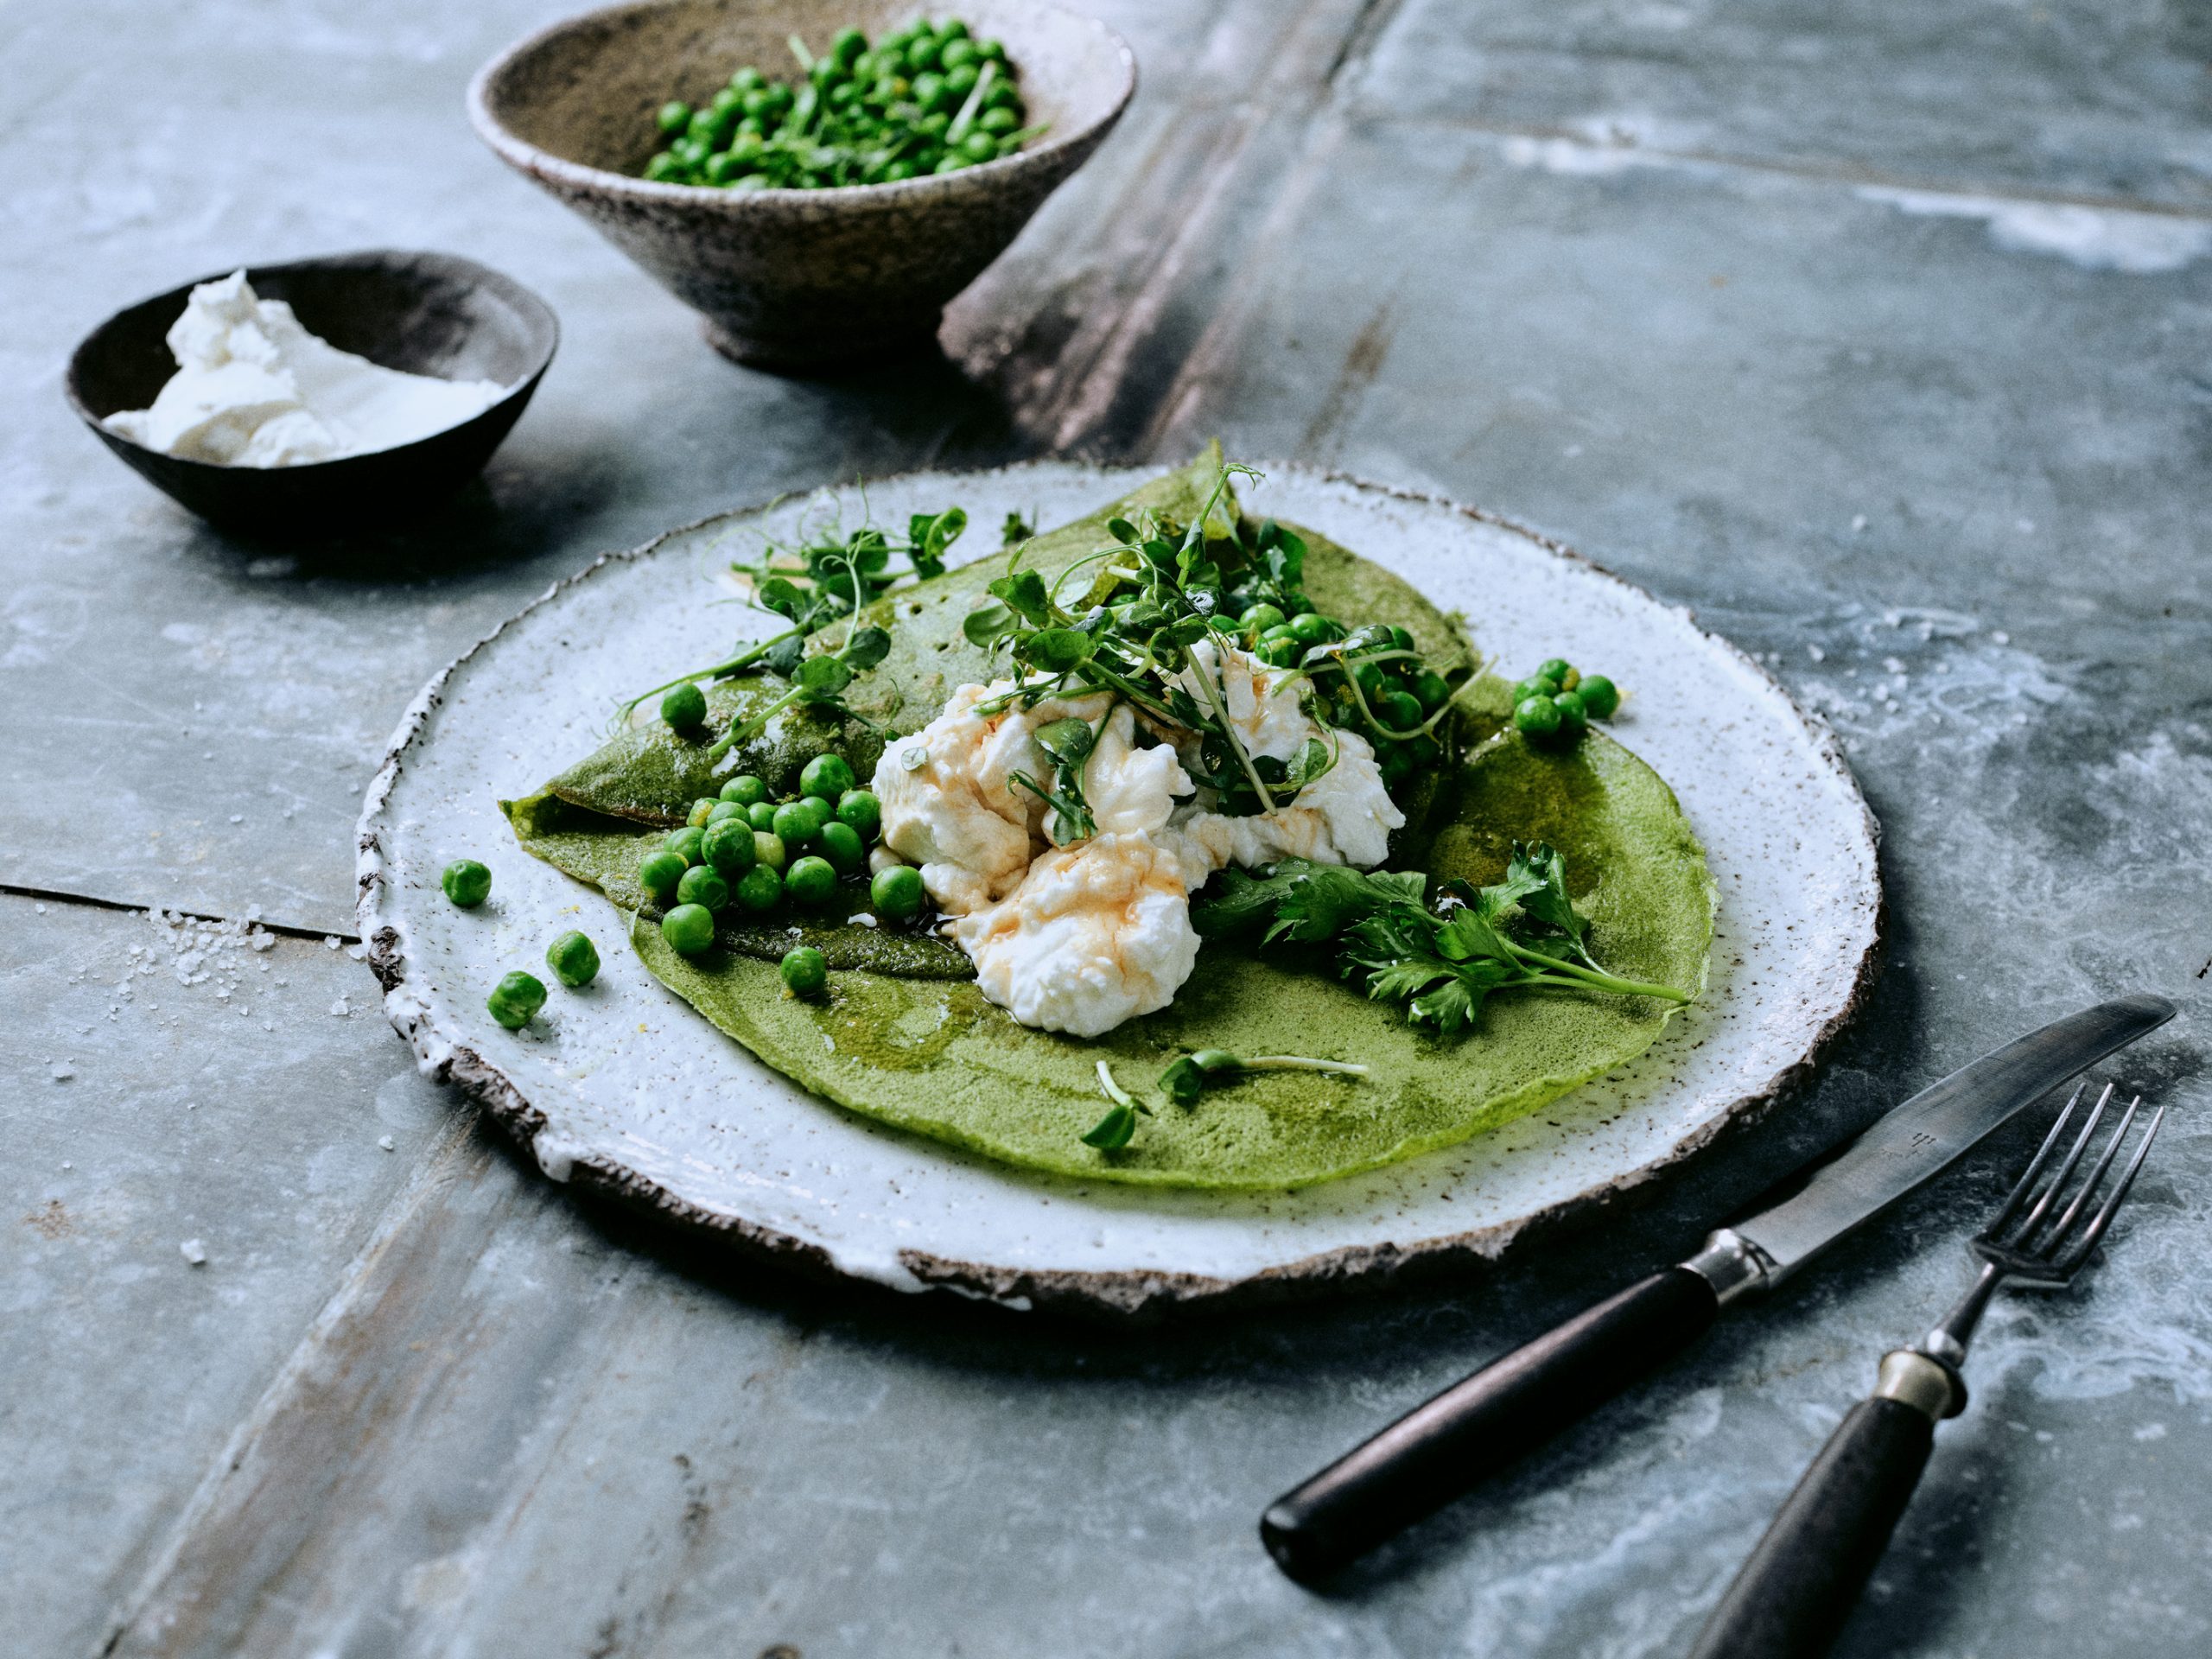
534,159
481,276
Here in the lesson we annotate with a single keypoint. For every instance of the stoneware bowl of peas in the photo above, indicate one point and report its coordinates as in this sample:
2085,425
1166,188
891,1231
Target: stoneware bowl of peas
816,177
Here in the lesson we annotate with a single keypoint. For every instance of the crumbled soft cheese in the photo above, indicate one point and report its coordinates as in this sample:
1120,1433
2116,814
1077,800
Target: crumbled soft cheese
1096,934
253,388
1081,937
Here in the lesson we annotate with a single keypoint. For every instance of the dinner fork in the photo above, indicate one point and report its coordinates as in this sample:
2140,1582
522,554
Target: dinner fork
1791,1597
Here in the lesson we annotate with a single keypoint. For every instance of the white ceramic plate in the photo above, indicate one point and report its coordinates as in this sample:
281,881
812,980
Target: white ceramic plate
624,1086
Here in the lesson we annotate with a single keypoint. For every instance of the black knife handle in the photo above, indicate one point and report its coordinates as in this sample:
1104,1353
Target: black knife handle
1792,1597
1437,1451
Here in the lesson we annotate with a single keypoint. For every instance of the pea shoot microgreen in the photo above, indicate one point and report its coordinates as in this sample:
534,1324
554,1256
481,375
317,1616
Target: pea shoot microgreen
1114,1130
825,580
1441,963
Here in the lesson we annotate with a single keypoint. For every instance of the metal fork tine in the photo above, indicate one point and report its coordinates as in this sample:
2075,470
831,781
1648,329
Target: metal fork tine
2033,1219
2067,1218
2043,1154
2080,1253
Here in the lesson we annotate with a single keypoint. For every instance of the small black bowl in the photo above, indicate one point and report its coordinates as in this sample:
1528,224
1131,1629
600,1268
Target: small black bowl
423,313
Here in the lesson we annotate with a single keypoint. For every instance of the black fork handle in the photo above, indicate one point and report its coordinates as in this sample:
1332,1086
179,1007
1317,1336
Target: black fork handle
1790,1599
1438,1450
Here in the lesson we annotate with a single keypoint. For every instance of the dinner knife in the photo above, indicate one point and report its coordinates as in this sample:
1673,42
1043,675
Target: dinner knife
1438,1450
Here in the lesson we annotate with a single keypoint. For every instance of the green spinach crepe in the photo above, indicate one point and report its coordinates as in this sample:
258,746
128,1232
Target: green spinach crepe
904,1035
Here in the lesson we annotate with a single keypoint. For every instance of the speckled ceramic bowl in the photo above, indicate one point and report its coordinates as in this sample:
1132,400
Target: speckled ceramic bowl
790,278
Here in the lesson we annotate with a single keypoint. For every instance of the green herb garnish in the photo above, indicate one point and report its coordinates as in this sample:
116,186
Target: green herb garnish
1440,964
1114,1131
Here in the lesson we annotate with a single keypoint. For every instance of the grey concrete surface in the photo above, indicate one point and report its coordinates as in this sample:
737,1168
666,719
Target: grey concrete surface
1880,337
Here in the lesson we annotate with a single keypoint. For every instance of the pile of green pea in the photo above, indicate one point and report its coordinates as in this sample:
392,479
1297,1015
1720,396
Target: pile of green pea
518,997
745,851
1401,690
1555,706
929,98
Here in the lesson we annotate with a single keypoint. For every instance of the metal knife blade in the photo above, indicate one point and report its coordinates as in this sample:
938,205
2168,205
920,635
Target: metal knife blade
1917,1139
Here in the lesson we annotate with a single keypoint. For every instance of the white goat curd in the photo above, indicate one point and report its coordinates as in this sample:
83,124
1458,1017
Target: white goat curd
253,388
1079,938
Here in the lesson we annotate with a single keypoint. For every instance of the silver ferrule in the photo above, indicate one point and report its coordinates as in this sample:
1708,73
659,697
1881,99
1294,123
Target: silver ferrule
1731,1264
1919,1381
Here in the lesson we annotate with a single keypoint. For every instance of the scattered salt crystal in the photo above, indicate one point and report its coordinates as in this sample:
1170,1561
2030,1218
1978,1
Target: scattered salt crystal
339,1008
358,953
1858,522
64,1070
65,1164
2001,637
41,910
210,755
1816,653
331,941
386,1142
194,1251
238,817
1891,666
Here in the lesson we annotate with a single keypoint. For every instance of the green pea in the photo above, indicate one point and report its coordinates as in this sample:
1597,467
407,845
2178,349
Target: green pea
1534,686
514,998
1310,628
747,79
1400,711
1369,678
1002,96
703,885
896,892
467,883
673,116
898,172
1425,751
1280,631
1279,653
990,49
1432,691
1556,670
922,54
759,104
663,168
958,54
728,846
1601,696
728,98
573,960
952,29
760,888
684,707
1259,620
702,811
1395,766
795,822
660,873
1573,715
688,929
979,147
934,127
780,99
828,775
721,169
1402,638
687,843
761,815
811,880
960,81
998,122
723,811
860,808
1536,717
843,845
805,970
769,849
848,44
